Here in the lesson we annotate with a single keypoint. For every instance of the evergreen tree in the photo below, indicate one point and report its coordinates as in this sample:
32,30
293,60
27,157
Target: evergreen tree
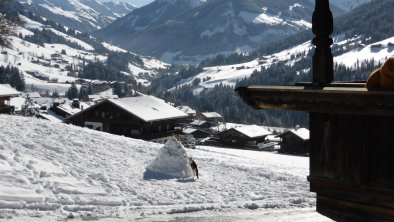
72,92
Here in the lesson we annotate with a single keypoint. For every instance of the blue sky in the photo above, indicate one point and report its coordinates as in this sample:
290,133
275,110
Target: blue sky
137,3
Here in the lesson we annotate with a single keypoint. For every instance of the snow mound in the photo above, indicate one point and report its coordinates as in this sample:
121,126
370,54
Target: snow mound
171,162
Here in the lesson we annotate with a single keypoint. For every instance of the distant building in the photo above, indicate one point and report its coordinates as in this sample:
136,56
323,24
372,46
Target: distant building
201,124
67,109
295,141
197,133
108,94
143,117
6,92
189,111
247,135
212,117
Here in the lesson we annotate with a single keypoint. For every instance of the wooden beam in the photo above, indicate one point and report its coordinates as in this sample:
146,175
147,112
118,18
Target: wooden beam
336,99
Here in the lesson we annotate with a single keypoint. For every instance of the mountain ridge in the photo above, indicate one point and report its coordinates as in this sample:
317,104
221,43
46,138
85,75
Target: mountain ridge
215,26
83,15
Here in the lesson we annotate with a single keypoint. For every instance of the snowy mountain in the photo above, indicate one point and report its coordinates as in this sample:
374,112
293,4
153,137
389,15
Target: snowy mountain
83,15
356,40
90,175
182,31
47,62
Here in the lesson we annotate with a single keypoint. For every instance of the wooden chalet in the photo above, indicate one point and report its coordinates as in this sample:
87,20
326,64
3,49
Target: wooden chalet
243,136
189,111
197,133
6,93
143,117
351,133
212,117
295,141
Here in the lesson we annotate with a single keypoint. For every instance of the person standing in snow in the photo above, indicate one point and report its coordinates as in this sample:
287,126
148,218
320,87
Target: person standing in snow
193,165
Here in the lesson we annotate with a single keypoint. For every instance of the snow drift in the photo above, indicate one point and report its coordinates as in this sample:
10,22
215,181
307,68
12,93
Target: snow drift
171,162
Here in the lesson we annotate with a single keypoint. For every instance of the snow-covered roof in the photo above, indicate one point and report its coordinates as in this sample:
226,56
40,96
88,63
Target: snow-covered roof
302,133
6,90
187,110
148,108
108,94
34,95
198,122
253,131
51,116
211,115
189,130
73,110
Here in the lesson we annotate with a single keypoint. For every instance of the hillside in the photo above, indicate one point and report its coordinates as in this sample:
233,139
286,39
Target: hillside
83,15
89,174
50,55
357,51
182,32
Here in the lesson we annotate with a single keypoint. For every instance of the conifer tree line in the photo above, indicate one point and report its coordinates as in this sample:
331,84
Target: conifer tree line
224,100
12,75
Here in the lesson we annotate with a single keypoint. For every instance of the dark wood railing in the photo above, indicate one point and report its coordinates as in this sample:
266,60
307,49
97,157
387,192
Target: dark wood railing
351,134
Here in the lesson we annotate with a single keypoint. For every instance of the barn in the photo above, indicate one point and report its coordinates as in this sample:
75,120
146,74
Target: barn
295,141
142,117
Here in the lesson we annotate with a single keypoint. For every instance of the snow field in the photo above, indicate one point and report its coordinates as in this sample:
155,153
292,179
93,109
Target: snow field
52,170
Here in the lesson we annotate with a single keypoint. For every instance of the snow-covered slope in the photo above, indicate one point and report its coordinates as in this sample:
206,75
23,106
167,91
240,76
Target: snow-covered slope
83,15
348,4
51,170
230,74
178,31
45,67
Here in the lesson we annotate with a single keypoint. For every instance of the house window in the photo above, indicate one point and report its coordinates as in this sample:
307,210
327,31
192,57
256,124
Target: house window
97,114
159,128
168,126
103,114
94,125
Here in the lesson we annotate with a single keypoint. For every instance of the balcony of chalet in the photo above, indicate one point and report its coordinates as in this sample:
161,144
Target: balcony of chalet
351,133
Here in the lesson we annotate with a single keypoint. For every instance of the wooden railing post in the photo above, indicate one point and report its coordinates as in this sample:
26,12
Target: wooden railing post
322,27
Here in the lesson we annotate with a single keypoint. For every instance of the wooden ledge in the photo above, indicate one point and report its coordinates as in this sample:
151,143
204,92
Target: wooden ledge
335,98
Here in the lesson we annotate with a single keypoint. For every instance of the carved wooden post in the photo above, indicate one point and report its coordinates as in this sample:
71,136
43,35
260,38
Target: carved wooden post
322,27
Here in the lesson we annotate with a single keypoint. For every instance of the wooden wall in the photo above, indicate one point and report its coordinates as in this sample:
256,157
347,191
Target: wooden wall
293,144
352,166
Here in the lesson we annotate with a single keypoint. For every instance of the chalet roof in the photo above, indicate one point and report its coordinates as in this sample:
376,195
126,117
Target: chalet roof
108,94
73,110
198,122
148,108
6,91
253,131
187,110
191,130
300,132
211,115
51,116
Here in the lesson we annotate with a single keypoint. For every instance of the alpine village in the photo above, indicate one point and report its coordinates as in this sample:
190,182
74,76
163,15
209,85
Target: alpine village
107,108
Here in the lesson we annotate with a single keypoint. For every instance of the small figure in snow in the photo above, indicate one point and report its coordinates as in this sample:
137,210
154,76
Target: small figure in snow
193,165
